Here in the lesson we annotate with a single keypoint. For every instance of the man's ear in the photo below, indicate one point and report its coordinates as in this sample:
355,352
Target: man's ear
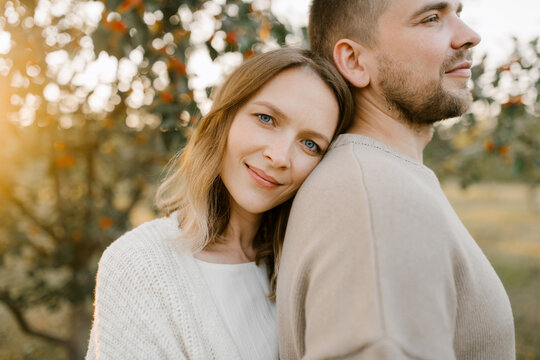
349,57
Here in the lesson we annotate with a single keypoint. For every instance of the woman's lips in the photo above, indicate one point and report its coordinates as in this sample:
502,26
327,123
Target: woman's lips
262,178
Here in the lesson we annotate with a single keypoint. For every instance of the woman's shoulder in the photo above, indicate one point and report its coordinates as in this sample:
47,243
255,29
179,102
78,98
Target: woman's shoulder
149,233
142,274
154,239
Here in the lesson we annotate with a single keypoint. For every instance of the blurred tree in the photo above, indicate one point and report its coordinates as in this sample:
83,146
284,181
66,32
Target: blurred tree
500,139
95,97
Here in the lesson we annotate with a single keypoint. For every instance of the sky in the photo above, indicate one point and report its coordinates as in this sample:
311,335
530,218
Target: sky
495,20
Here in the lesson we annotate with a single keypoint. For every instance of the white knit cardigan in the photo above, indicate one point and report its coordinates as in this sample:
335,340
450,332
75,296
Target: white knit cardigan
151,301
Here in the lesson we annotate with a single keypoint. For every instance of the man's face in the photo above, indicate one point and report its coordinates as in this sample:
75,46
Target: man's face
423,60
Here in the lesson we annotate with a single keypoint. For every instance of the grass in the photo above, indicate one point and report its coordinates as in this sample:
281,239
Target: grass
503,221
498,216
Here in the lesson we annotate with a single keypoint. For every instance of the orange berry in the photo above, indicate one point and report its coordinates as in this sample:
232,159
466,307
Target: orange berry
66,161
116,26
105,222
167,96
128,5
488,145
178,65
231,37
504,149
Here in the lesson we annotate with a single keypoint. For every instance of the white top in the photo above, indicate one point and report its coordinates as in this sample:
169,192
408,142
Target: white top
240,292
152,302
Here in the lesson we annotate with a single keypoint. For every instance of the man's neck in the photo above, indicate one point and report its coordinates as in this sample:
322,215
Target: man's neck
380,124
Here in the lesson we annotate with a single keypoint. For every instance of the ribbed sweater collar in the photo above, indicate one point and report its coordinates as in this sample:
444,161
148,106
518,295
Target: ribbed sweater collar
347,139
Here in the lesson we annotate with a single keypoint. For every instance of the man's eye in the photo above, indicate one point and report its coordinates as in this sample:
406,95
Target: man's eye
431,19
267,119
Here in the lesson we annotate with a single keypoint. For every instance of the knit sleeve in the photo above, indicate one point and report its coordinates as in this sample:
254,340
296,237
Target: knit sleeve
131,319
339,293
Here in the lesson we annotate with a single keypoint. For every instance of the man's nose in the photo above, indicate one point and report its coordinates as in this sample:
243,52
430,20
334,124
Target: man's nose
465,37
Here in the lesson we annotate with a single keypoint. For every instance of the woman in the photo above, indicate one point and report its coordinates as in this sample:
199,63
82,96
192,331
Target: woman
200,283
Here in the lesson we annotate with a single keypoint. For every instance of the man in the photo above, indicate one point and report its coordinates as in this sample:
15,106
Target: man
376,264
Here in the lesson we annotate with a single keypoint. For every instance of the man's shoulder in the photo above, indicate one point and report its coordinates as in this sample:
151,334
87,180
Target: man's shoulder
351,161
338,171
336,187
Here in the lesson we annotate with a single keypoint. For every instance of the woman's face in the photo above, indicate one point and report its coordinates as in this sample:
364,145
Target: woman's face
277,138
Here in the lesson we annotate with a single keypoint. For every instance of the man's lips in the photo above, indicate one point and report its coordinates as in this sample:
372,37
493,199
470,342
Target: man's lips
262,178
461,70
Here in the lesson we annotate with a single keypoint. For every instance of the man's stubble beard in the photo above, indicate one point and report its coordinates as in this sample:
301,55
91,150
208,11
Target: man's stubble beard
420,101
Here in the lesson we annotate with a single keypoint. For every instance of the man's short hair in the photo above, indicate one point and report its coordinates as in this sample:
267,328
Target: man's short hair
332,20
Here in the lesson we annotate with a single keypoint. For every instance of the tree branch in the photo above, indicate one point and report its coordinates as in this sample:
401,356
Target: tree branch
90,179
60,205
29,214
134,199
23,324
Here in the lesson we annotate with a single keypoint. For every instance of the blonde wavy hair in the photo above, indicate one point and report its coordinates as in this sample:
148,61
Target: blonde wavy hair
193,188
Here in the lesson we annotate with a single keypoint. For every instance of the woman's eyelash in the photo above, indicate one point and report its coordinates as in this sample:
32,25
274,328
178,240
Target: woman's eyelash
267,119
312,146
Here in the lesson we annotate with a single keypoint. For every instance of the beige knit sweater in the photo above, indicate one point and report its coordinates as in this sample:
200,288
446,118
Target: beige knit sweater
152,301
377,265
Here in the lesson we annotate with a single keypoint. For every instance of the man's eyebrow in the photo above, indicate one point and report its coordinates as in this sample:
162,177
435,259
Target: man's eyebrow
441,5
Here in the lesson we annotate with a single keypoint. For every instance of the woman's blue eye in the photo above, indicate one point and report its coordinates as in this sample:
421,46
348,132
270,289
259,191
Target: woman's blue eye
311,145
265,118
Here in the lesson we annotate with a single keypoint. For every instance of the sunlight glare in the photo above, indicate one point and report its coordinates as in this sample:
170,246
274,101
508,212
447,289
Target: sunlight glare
51,93
5,42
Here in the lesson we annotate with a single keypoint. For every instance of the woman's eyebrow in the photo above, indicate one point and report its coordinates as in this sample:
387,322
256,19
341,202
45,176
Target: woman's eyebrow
272,107
315,134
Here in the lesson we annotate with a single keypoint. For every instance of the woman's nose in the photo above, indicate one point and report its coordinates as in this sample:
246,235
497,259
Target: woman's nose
278,153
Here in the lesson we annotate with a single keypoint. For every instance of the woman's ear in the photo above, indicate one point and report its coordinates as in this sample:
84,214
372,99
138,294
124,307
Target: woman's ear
349,59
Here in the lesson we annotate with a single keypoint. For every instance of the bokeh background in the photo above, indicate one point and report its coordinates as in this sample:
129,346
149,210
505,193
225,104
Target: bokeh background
96,96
